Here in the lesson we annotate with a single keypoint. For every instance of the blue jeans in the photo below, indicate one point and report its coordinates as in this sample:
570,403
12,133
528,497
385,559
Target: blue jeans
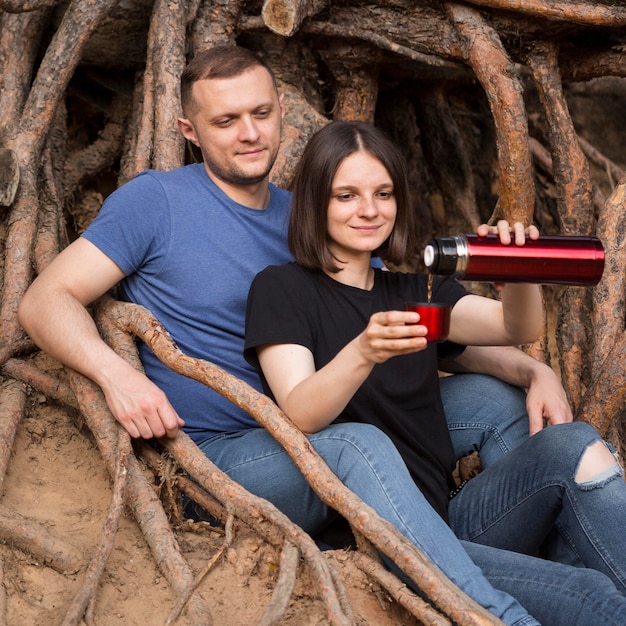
484,415
368,463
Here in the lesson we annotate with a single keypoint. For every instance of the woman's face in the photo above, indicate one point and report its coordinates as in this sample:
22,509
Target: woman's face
362,207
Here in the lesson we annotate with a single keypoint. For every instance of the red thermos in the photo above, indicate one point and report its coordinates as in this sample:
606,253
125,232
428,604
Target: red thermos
556,259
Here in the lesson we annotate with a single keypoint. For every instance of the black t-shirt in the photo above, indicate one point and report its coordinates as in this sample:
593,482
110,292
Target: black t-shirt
291,305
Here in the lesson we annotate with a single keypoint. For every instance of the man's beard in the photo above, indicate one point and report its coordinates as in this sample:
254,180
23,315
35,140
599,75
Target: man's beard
234,175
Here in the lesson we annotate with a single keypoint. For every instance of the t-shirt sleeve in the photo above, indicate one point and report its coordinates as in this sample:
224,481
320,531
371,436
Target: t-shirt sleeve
131,220
447,289
276,311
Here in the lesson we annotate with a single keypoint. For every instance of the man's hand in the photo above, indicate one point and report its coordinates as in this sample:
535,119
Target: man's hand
546,400
139,405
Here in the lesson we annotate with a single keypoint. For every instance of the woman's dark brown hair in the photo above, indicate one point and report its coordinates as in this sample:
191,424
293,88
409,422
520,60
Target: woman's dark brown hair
308,237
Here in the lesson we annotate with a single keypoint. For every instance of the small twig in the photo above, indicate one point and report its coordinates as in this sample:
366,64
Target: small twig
3,597
613,172
229,536
148,454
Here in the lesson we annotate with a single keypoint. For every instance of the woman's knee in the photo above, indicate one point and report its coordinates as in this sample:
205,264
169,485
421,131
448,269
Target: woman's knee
352,444
362,435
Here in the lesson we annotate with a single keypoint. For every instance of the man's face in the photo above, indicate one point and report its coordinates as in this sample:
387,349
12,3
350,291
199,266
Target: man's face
236,123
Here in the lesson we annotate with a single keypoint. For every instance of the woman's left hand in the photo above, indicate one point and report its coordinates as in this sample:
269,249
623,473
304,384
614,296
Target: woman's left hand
504,231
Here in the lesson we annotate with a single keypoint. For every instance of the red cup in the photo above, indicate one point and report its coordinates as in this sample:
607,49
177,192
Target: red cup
435,316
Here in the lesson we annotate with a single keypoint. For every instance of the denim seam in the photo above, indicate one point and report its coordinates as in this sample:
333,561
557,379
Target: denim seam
495,432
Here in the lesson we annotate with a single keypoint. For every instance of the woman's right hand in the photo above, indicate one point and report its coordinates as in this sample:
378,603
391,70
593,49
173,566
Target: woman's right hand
392,333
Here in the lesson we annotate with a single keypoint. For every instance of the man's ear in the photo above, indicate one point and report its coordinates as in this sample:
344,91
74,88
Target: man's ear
281,104
186,128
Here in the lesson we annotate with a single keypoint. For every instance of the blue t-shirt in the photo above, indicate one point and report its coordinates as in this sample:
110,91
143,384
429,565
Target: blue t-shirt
189,254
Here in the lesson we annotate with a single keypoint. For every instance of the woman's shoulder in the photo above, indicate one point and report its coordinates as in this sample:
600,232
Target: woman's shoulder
283,271
286,275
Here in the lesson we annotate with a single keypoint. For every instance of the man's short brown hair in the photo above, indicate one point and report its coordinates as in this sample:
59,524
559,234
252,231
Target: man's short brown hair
220,62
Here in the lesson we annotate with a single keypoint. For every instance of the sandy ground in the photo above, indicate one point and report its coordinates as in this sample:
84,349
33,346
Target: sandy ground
57,478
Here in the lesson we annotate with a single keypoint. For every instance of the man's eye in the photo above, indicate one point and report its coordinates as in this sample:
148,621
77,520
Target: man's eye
224,123
262,114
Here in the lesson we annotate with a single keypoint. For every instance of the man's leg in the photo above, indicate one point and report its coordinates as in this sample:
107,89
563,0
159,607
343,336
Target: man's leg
488,416
484,415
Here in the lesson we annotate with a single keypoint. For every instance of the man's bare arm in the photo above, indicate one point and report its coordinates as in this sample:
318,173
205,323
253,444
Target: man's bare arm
53,312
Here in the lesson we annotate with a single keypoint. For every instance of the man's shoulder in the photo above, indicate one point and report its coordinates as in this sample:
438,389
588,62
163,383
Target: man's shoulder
279,195
184,174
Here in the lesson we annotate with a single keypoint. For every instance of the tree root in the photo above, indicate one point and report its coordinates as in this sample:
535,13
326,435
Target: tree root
261,516
29,536
492,65
574,198
140,496
32,538
284,586
12,407
399,591
577,12
48,384
184,598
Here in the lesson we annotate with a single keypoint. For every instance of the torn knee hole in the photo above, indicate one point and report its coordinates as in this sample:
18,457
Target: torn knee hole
594,463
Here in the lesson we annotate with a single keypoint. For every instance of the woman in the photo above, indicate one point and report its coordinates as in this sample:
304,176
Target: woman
353,370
